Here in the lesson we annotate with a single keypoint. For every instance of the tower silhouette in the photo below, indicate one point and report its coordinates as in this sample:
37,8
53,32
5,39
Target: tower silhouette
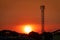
42,7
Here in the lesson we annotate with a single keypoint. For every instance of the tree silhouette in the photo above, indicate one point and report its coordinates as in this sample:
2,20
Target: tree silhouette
35,35
12,35
57,32
8,33
47,36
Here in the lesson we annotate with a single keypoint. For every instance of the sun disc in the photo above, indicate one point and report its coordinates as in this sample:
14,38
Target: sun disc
27,29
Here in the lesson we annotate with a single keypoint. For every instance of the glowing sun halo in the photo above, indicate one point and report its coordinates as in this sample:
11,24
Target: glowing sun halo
27,28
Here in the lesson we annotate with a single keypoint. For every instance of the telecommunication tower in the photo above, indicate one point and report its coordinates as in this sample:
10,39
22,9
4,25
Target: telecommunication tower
42,7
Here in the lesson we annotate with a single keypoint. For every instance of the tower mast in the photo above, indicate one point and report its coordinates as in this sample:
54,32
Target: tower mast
42,7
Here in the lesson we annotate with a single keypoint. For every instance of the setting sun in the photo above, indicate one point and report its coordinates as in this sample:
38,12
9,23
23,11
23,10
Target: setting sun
27,28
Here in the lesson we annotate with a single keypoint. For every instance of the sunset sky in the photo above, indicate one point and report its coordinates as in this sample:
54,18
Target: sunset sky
16,13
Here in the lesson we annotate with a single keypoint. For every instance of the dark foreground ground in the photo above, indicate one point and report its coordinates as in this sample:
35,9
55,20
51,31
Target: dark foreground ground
12,35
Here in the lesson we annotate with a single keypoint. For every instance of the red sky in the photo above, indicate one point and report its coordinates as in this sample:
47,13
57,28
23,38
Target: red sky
18,12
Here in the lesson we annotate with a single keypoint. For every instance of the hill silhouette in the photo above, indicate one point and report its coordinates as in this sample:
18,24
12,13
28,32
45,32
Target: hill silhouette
12,35
57,32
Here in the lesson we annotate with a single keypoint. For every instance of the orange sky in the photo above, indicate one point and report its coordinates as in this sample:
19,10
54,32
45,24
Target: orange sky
19,12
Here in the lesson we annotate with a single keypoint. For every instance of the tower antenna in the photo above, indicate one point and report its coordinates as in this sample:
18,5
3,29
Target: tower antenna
42,7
